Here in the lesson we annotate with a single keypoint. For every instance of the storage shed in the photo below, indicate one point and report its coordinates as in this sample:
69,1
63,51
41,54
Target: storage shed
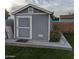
32,23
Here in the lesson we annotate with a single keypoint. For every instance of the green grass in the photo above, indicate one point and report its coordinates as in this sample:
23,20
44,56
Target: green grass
40,53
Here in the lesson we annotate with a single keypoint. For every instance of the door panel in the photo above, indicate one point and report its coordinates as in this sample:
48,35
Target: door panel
24,22
23,32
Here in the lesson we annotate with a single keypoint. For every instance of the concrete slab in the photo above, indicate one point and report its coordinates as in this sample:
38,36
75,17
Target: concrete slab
62,44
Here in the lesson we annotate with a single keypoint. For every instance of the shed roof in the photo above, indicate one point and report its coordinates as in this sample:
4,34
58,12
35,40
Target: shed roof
26,6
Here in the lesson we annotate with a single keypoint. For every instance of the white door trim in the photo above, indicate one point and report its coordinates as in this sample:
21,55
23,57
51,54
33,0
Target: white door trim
24,27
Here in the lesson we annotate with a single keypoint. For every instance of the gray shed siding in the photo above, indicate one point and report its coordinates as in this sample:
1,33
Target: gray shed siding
39,26
38,11
24,11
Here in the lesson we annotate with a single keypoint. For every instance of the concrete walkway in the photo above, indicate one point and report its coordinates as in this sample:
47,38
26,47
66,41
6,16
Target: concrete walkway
62,44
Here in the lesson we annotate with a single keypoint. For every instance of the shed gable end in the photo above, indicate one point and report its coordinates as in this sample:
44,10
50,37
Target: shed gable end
24,11
35,10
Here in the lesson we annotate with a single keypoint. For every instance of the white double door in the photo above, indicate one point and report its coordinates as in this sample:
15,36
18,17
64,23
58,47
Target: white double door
24,27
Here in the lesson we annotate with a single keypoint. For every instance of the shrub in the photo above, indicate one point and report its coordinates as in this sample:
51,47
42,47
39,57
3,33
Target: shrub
55,36
56,28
